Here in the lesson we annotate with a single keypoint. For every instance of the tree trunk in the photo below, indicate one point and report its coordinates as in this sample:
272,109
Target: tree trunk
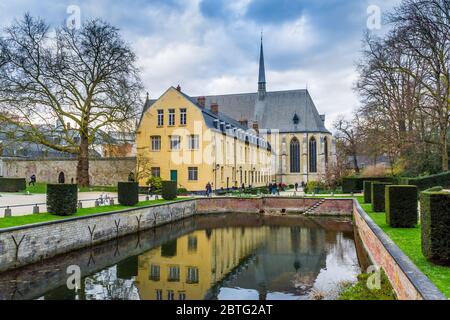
444,150
83,162
355,163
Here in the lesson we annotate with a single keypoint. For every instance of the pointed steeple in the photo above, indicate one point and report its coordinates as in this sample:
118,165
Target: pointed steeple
262,73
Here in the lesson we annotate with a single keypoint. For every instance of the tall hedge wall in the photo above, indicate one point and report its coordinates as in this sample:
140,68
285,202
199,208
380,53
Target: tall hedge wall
377,196
62,199
401,206
367,191
128,193
423,183
12,184
435,226
169,190
356,183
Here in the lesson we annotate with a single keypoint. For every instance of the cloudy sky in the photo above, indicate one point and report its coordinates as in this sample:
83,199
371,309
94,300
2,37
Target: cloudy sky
212,46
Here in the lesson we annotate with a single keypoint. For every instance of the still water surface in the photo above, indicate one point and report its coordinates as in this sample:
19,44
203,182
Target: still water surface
223,257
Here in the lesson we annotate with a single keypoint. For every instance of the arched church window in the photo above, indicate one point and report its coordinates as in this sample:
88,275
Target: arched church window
312,155
295,155
325,148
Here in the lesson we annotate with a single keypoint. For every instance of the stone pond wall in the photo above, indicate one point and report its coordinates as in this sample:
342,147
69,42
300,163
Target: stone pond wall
102,171
408,282
23,245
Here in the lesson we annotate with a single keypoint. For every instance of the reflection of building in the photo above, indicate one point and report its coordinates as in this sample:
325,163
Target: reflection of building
265,259
186,268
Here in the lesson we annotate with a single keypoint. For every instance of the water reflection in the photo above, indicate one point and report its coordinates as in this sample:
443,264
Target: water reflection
216,257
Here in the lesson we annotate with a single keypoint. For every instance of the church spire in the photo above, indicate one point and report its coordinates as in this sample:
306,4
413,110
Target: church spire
262,73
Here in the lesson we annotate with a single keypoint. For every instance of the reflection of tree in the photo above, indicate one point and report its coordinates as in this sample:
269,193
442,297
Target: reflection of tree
105,285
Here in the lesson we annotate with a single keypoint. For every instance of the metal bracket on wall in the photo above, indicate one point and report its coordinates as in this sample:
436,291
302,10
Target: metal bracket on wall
17,245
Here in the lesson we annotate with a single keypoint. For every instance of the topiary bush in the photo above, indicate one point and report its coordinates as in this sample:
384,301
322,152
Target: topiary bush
62,199
423,183
377,196
367,191
356,183
12,184
169,190
128,193
435,226
401,206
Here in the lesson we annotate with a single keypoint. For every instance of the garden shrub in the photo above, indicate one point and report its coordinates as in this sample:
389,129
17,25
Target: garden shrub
377,196
438,188
435,226
423,183
62,199
12,184
401,206
128,193
169,190
182,191
367,191
356,183
155,183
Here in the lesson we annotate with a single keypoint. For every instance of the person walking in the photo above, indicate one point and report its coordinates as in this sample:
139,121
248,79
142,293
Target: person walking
32,180
296,186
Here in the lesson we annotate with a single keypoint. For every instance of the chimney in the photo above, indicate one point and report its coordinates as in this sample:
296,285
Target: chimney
201,101
255,126
214,108
179,88
244,122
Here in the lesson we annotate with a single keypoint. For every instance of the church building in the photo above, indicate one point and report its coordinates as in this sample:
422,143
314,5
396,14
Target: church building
241,139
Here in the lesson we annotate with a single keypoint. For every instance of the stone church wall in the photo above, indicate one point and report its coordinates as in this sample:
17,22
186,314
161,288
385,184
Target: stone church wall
102,171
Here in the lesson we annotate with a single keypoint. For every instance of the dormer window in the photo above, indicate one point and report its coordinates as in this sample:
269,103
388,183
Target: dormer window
295,119
216,124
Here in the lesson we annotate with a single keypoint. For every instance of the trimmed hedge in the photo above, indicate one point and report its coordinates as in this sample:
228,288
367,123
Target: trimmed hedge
356,184
62,199
401,206
435,226
12,184
128,193
169,190
423,183
377,196
367,191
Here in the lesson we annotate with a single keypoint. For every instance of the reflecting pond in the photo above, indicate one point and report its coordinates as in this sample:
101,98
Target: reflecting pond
227,256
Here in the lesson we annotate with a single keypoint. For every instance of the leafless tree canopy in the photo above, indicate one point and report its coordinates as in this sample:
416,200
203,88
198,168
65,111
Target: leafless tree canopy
404,85
66,89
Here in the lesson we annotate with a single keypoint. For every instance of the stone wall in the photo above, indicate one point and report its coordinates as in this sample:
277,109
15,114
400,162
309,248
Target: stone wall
408,282
102,171
23,245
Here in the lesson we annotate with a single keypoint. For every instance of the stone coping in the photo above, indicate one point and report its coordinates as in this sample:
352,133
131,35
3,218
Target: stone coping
46,223
418,279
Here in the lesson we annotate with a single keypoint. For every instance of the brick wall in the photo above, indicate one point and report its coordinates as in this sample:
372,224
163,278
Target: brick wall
408,282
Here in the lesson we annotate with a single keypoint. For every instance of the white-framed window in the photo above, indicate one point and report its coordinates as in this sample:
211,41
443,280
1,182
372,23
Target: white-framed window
175,142
154,272
192,173
156,172
183,116
170,295
193,142
174,274
182,295
171,117
159,294
156,143
160,118
192,275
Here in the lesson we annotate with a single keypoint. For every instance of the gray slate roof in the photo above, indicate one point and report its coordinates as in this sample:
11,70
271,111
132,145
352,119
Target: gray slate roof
275,111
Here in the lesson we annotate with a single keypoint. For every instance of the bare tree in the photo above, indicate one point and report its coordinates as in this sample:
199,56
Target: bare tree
64,90
347,139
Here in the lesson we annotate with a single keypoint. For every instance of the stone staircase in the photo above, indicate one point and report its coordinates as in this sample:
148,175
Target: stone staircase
312,209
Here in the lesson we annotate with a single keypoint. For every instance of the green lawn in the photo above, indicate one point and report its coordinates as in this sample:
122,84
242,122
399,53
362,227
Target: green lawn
409,241
43,217
41,187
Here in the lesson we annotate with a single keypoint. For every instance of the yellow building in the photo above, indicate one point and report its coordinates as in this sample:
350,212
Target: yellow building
189,266
181,139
